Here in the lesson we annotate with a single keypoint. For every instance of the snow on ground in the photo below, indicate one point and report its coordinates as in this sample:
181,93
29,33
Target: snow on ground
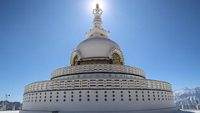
9,111
193,111
186,111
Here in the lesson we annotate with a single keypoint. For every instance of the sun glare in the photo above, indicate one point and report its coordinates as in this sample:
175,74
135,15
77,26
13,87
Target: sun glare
94,2
89,5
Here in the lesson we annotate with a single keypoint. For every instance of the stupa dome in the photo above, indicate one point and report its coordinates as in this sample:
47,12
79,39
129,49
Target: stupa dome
96,47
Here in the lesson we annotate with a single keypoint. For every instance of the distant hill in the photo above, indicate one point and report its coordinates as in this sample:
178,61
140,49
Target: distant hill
188,98
6,105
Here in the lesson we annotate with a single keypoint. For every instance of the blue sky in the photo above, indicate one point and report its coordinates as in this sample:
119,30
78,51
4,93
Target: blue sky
162,37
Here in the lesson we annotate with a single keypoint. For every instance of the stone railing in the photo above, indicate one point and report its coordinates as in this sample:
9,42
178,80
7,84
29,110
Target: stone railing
97,68
97,84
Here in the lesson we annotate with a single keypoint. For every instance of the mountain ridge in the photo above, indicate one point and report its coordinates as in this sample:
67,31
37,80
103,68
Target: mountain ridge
6,105
188,98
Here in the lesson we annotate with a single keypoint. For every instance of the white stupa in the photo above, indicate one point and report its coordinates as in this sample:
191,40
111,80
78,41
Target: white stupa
98,81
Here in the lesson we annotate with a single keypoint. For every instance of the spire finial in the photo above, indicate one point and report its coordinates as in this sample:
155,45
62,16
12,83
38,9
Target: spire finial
97,10
97,6
97,29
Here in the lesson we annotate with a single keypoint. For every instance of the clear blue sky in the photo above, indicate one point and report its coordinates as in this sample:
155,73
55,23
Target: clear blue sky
161,37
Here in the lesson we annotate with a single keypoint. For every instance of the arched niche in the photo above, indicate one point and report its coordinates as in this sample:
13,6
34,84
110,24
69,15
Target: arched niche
75,60
75,57
117,56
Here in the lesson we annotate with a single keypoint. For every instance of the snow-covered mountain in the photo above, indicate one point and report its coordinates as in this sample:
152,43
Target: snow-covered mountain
188,98
6,105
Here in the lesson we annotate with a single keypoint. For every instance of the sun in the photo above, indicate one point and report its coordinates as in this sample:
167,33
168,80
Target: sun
100,2
89,5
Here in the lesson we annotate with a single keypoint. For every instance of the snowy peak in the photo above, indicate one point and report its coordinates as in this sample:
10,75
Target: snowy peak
188,98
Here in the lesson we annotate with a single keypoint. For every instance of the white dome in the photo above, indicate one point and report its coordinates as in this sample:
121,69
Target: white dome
96,47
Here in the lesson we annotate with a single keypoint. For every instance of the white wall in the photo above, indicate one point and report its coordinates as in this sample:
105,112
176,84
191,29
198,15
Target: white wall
101,104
